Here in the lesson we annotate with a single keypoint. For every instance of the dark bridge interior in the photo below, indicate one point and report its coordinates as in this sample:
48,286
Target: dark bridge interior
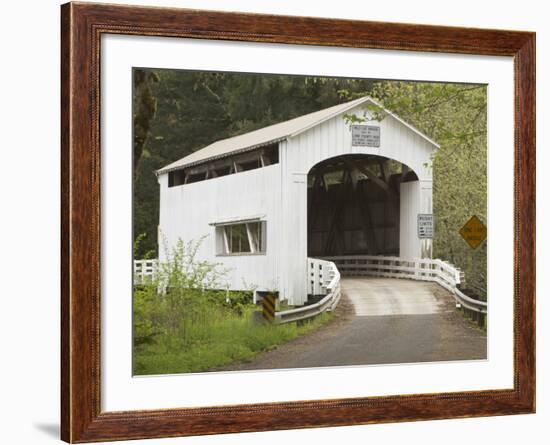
353,205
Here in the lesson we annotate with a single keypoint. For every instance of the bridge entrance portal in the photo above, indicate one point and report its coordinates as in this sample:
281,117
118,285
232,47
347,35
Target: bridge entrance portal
354,206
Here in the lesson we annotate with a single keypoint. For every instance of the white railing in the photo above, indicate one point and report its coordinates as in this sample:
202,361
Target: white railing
145,271
324,279
441,272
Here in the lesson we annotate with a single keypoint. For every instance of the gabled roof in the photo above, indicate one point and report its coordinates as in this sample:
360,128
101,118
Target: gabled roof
272,134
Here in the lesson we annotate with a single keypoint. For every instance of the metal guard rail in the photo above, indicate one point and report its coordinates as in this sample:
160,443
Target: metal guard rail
441,272
324,279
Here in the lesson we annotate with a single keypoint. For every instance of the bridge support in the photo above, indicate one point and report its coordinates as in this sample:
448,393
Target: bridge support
416,198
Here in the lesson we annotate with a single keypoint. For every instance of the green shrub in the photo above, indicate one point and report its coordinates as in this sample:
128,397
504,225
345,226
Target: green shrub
147,315
186,320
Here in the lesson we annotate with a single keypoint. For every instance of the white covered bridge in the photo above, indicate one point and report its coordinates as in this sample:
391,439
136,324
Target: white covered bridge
281,205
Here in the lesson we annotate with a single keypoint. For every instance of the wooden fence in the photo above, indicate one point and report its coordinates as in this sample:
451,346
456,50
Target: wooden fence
446,275
145,271
324,279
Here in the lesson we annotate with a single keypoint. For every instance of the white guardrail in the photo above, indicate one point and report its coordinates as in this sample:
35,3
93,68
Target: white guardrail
441,272
145,270
324,279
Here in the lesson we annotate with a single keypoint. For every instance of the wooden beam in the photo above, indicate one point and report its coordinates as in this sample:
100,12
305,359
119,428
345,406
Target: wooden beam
341,163
313,204
376,180
384,168
368,229
243,158
324,182
337,213
353,173
231,161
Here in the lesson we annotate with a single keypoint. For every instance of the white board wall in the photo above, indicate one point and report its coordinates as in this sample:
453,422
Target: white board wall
188,212
330,139
415,198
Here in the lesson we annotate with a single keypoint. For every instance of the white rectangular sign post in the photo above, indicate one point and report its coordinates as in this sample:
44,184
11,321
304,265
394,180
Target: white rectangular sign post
365,136
425,225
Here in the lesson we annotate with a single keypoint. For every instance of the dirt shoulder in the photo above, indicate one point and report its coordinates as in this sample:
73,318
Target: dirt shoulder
343,315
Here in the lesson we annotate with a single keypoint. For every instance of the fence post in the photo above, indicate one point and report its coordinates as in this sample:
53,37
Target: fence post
268,307
311,277
326,277
458,276
320,278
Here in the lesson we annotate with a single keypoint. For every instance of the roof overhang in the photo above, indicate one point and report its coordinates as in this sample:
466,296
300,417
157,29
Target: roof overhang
316,119
237,220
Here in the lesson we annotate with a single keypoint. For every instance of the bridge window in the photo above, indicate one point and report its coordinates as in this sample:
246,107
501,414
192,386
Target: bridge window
176,178
196,177
241,238
250,160
250,165
222,171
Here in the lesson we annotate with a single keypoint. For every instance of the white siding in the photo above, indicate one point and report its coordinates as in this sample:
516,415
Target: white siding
333,138
415,198
187,211
409,243
330,139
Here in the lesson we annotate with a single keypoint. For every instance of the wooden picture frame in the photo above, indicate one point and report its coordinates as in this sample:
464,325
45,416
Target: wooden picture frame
82,26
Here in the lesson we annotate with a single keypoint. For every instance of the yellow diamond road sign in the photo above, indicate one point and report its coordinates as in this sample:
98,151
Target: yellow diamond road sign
474,232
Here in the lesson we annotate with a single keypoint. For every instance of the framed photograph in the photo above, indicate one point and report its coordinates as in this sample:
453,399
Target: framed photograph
275,222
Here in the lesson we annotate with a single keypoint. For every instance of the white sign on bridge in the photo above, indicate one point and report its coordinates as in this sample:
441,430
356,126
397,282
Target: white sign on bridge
365,136
425,225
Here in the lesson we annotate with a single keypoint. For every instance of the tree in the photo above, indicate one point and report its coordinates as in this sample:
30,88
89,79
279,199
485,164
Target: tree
144,108
455,116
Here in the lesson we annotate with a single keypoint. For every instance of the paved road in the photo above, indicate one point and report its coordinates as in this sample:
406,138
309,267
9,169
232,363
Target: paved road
381,321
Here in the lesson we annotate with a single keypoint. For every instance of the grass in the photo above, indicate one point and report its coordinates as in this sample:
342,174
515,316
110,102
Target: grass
183,320
215,343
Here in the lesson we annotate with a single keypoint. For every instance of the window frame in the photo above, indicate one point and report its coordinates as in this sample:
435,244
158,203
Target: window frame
258,245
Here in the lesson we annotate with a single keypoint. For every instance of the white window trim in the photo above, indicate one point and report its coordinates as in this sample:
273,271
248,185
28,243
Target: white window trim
238,220
254,250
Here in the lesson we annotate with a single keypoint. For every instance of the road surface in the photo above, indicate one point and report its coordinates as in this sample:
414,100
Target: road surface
382,321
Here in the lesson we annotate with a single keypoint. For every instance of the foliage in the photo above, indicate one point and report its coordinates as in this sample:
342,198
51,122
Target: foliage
137,248
144,108
455,116
184,320
183,292
148,315
222,341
